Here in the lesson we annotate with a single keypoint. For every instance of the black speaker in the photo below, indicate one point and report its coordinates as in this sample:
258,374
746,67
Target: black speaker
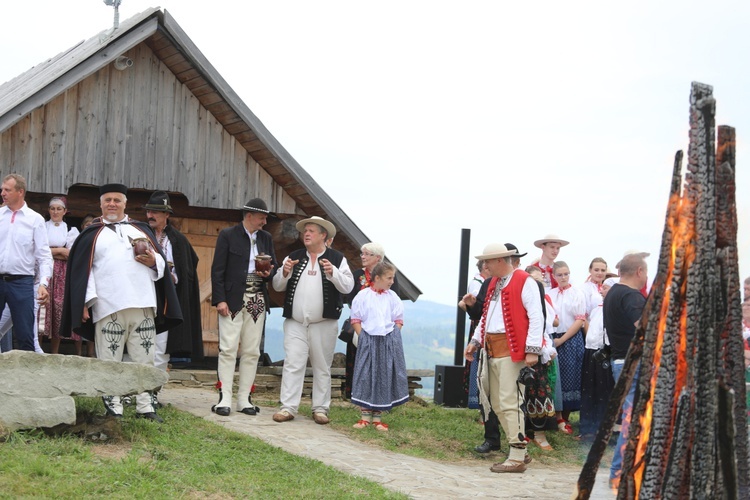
449,386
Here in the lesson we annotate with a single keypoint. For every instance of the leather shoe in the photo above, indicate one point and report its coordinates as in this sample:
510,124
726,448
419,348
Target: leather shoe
150,416
282,416
221,410
509,466
320,418
487,447
250,410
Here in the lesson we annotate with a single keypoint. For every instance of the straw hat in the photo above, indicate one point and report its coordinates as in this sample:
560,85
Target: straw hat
330,228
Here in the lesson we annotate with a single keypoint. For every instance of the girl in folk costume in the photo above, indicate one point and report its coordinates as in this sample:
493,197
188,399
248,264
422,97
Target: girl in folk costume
60,239
597,377
570,305
371,255
592,287
380,380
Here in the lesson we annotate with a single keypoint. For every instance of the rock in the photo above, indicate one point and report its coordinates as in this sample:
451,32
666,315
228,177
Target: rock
37,388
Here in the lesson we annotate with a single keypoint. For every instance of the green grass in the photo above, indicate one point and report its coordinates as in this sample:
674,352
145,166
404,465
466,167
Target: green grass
185,457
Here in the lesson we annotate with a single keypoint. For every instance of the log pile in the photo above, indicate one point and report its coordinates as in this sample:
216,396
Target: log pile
688,433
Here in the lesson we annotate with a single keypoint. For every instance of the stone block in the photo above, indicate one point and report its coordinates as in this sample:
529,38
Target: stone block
37,389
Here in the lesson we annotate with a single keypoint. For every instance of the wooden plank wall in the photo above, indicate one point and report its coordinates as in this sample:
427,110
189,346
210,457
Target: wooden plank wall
141,127
202,234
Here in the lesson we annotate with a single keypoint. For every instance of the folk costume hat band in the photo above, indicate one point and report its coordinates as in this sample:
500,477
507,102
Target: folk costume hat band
551,238
59,201
256,205
113,188
495,251
330,228
159,202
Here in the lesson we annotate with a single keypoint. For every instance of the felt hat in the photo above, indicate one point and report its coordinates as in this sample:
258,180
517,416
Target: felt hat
551,238
256,205
495,251
113,188
159,202
511,246
636,252
330,228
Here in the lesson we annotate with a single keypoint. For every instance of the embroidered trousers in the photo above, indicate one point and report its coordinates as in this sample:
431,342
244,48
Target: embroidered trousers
135,329
241,333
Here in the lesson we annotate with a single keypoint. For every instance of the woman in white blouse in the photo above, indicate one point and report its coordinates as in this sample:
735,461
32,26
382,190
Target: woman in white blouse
60,238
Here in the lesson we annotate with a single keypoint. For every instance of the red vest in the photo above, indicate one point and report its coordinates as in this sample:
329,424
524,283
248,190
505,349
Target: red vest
514,315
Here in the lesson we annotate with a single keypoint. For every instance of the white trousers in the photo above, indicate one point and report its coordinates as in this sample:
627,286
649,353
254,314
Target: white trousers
135,328
161,358
316,341
241,333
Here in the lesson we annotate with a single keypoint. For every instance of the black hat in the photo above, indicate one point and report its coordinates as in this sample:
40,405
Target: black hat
256,205
113,188
159,202
511,246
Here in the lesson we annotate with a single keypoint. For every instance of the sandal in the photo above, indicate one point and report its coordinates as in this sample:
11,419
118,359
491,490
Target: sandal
380,426
543,444
361,424
564,426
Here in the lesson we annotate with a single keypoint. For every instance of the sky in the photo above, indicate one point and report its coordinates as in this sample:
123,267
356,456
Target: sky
422,118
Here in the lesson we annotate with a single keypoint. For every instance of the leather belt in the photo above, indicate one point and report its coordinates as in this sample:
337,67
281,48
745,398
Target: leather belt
253,283
14,277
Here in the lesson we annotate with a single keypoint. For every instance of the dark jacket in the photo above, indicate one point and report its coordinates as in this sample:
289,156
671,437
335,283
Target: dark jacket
229,267
333,300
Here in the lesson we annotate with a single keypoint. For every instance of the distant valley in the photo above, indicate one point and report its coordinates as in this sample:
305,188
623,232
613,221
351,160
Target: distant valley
429,337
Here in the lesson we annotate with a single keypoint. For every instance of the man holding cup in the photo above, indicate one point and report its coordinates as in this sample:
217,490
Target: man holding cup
244,262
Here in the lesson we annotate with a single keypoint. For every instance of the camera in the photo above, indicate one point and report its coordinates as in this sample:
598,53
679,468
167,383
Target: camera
526,376
602,356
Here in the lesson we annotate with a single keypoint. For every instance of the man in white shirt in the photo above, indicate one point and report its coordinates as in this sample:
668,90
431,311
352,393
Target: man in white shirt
23,246
118,293
315,278
511,326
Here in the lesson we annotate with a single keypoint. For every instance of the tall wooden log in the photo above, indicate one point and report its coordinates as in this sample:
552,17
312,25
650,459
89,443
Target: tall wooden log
688,435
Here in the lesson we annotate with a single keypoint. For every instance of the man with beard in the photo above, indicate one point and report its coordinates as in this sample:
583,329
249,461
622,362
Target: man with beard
185,340
117,293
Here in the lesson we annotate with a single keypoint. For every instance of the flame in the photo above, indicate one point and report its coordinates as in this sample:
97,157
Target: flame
682,230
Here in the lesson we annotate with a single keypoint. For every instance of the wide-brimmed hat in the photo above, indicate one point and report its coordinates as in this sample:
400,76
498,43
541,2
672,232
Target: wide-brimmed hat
511,246
495,251
330,228
610,273
113,188
256,205
159,202
551,238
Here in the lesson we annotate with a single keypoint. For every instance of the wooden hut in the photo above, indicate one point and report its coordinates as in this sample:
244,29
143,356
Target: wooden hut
140,104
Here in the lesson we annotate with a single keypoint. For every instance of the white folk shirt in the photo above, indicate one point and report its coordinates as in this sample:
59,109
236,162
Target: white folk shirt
570,305
60,236
378,313
117,281
531,299
253,250
24,244
307,306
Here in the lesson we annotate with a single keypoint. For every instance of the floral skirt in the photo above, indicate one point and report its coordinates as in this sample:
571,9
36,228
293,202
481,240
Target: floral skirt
53,316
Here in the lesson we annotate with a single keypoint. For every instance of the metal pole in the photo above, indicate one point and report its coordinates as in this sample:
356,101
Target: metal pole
463,282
